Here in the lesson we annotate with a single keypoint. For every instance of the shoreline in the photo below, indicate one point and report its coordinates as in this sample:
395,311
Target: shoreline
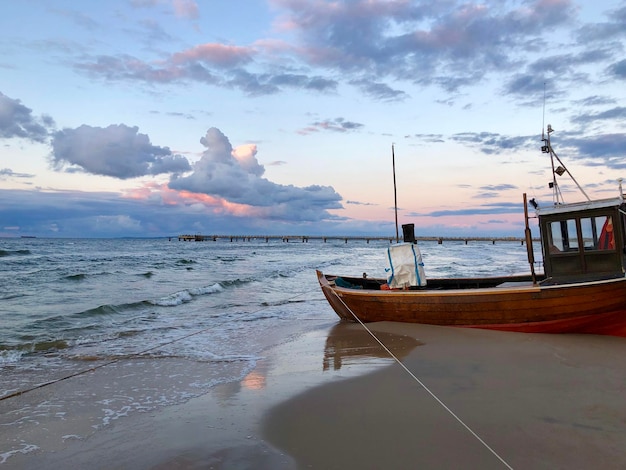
331,398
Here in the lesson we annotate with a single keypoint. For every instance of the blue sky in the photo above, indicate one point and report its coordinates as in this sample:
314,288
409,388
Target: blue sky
161,117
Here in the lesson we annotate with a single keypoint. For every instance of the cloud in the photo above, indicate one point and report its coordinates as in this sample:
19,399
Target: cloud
491,143
236,176
493,190
494,208
498,187
365,42
210,64
612,29
8,173
428,138
357,203
186,9
422,42
118,151
157,211
617,113
595,100
181,8
380,91
609,147
618,69
16,120
335,125
217,55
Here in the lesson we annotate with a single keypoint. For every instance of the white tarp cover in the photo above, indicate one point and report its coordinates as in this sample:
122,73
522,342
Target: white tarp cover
406,266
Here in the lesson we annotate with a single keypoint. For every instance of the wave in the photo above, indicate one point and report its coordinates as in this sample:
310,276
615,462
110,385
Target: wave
159,354
108,309
186,261
83,276
12,354
16,295
4,253
170,300
187,295
237,282
229,259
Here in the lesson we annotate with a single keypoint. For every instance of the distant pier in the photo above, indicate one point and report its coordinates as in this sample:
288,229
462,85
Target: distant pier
345,239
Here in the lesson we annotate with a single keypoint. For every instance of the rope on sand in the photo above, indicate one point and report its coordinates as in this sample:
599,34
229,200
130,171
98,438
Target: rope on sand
138,354
437,399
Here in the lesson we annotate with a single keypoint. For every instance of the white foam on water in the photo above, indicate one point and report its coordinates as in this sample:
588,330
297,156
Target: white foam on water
26,448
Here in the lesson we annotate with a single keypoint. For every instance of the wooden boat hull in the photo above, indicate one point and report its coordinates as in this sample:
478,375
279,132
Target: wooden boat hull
597,307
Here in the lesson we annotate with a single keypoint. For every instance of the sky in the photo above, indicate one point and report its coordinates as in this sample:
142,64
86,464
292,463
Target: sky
151,118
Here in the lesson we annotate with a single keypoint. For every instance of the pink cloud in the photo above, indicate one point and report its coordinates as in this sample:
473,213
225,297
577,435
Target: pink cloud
215,54
186,9
162,194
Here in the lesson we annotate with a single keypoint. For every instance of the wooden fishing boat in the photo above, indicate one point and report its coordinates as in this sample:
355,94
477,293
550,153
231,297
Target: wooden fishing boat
582,288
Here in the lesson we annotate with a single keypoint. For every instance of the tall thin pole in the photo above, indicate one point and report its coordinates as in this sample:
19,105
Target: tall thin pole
529,243
395,194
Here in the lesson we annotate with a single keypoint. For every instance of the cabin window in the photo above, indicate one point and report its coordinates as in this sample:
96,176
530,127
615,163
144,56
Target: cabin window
563,236
597,233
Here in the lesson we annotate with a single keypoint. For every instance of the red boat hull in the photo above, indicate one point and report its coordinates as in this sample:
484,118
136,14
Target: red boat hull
597,307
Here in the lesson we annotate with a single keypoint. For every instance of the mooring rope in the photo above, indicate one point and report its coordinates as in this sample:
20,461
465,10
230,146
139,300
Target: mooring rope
135,355
437,399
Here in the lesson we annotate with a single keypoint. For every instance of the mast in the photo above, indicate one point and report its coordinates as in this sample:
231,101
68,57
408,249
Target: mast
559,170
395,195
529,243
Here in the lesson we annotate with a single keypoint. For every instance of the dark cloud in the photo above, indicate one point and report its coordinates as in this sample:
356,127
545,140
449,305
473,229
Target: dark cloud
555,74
255,84
8,173
594,100
618,69
237,177
16,120
421,41
495,208
594,150
357,203
613,29
498,187
380,91
617,113
493,191
119,151
610,147
335,125
100,214
211,64
428,138
491,143
449,44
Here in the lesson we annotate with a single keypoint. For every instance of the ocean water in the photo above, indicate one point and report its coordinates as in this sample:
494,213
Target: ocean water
69,306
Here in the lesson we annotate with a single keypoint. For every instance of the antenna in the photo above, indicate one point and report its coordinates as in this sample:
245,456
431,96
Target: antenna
543,118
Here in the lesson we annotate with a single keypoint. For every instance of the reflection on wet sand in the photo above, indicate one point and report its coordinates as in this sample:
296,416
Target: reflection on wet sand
349,343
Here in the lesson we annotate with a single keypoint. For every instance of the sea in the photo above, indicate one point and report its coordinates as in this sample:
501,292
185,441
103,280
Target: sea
69,306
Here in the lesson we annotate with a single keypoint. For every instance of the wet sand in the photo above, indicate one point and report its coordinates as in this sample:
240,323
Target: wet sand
333,399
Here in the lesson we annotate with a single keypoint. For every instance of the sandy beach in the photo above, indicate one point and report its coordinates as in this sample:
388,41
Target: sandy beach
332,398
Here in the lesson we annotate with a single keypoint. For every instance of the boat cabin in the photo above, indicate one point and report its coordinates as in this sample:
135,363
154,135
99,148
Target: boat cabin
583,241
